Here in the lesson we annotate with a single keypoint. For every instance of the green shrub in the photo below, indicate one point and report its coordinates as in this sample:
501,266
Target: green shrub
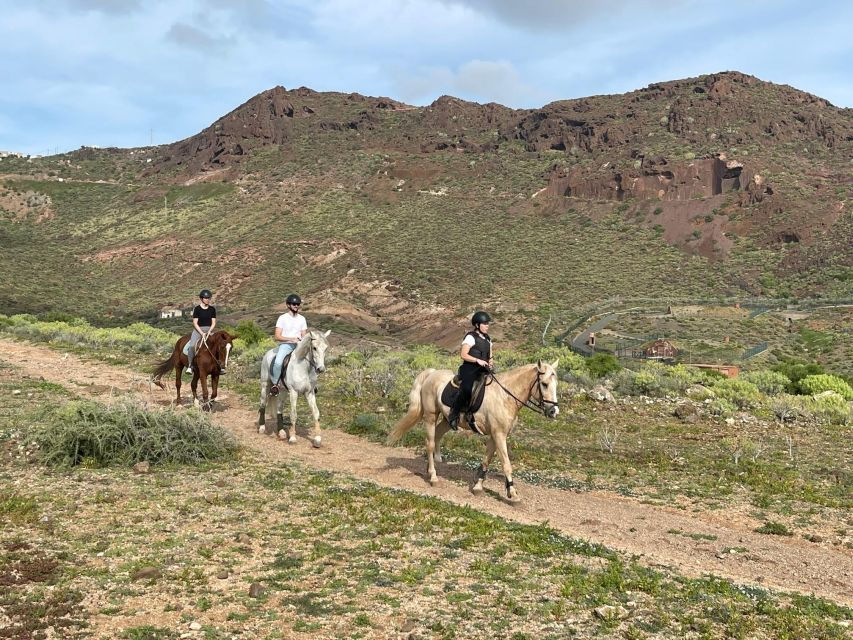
774,529
796,370
647,382
814,384
125,433
601,365
680,377
250,333
742,393
722,408
771,383
831,408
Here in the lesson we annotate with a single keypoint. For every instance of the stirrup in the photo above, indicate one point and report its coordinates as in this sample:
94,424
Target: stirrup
453,421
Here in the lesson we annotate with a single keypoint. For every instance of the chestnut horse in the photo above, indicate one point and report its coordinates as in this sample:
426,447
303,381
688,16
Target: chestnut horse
211,358
532,385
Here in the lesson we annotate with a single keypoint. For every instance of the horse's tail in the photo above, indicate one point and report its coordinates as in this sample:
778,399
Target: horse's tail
163,368
415,412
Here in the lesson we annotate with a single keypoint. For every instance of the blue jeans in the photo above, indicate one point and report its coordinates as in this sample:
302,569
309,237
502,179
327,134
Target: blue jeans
283,349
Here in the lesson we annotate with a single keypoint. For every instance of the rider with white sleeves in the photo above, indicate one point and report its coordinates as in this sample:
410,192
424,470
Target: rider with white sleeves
289,330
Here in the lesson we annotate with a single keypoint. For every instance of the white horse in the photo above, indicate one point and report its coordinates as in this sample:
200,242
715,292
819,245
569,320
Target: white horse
306,361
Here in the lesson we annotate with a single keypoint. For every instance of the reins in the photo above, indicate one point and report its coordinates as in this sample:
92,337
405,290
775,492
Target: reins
537,408
210,351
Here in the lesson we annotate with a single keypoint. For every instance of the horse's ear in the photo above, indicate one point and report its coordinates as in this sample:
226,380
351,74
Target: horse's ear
326,335
539,364
555,363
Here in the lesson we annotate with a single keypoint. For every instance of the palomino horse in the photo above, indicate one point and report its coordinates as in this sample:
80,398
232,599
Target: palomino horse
531,385
306,361
211,359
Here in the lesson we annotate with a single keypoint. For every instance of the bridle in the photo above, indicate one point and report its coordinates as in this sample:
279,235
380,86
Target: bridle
210,351
539,407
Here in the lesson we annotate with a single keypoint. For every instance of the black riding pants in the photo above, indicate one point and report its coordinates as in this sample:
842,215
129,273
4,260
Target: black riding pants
468,372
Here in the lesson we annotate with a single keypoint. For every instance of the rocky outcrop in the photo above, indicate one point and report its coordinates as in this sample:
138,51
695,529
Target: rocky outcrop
657,179
264,120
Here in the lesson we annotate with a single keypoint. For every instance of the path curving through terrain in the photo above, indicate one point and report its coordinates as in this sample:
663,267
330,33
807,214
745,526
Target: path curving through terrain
618,522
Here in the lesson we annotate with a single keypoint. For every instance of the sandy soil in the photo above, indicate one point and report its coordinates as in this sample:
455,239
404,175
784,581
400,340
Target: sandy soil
621,523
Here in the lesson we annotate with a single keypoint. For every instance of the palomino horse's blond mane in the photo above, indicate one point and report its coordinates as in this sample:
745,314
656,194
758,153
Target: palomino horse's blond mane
504,398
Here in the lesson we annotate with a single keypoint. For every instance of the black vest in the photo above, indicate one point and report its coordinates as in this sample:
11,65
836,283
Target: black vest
482,348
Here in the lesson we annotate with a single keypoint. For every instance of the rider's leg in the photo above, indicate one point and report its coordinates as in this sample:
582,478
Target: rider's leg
463,398
283,350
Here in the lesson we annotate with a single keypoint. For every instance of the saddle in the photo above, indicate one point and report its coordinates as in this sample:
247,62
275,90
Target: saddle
478,392
283,377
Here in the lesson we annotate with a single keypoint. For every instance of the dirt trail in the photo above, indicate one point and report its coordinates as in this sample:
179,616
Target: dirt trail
615,521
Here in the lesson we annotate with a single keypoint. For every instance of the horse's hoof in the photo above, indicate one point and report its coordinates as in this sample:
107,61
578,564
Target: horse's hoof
316,442
477,490
433,482
292,439
282,435
262,430
513,498
437,457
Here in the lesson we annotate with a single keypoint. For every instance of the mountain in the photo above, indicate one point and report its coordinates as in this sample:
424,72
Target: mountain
391,219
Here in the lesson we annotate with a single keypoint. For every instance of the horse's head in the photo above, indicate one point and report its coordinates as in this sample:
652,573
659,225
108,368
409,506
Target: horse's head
221,347
547,387
313,347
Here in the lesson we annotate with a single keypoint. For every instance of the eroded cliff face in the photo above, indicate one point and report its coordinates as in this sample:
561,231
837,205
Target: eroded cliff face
657,178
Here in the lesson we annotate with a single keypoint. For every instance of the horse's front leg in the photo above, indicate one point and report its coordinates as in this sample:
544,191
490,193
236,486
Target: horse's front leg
317,436
480,472
204,394
429,421
503,453
214,384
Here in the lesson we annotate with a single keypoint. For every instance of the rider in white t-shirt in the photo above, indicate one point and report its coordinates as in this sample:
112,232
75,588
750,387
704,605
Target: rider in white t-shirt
289,330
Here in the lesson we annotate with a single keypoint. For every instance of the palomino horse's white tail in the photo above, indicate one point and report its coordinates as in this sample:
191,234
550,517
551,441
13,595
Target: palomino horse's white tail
415,412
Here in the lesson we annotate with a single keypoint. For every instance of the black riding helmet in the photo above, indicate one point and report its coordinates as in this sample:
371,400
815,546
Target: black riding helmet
480,317
205,293
293,299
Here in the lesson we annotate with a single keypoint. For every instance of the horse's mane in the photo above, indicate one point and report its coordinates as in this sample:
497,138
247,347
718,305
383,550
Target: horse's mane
313,334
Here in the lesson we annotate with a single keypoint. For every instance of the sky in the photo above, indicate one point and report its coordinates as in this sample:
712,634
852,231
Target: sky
130,72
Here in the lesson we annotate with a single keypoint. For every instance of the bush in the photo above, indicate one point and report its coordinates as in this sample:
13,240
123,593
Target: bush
796,370
771,383
602,364
127,433
250,333
814,384
648,381
722,408
742,393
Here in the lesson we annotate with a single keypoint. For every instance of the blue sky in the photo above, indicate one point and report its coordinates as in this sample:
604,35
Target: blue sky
109,72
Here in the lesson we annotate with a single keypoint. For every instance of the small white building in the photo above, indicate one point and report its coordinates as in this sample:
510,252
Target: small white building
171,313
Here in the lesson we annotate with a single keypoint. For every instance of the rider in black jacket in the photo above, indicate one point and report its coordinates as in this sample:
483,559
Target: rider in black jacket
476,353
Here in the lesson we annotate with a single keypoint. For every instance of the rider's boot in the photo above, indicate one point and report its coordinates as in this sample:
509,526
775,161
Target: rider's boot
453,419
189,365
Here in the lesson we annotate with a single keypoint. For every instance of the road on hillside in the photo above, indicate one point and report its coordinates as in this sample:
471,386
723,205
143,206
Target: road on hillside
618,522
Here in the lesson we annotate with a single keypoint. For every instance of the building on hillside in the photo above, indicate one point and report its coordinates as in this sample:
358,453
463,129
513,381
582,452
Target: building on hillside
169,312
660,348
728,370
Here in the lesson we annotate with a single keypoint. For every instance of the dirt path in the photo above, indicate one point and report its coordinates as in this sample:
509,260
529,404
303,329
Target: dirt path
621,523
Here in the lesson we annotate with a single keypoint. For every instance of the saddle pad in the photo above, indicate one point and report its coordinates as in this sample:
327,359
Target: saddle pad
451,389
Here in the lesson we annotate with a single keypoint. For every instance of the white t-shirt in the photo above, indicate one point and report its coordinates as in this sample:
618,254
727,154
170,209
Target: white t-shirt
291,325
